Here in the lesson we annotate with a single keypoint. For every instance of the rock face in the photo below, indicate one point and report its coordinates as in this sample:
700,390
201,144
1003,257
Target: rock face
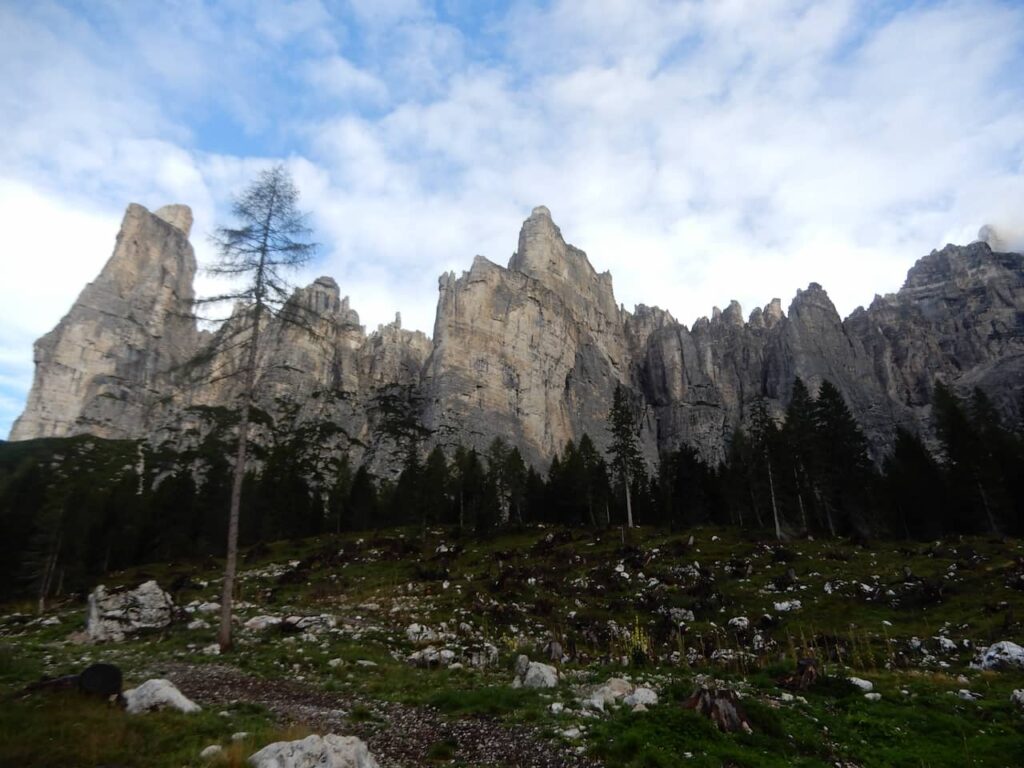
329,751
112,615
530,352
101,370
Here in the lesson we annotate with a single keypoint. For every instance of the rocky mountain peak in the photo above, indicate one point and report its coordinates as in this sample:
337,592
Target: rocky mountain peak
176,215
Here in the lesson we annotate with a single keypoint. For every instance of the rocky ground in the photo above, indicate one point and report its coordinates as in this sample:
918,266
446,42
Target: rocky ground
413,645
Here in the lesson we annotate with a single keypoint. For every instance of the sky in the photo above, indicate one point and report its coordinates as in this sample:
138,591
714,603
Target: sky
700,151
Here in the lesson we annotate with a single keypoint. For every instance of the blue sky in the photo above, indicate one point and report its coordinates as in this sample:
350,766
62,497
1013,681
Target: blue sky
700,151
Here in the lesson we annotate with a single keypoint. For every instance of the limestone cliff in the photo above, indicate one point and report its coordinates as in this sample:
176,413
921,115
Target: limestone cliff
530,352
104,366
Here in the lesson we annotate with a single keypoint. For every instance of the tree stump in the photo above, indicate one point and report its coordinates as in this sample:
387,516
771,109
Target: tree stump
722,707
806,675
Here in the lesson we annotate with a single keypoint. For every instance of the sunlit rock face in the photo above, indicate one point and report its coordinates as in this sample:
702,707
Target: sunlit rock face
102,369
530,352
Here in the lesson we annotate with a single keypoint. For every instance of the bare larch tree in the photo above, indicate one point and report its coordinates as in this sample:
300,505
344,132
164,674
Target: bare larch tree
269,239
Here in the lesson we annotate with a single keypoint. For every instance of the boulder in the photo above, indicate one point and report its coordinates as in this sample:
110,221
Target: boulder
157,694
1017,698
641,697
612,691
533,674
329,751
260,623
113,615
1004,655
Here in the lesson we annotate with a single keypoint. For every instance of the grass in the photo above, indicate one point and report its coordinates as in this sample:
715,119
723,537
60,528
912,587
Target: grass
518,590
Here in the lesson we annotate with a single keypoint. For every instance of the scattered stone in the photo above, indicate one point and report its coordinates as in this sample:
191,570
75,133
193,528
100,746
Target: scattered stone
212,752
113,615
311,624
788,605
1004,655
260,623
198,624
157,694
556,708
419,633
208,608
329,751
641,697
572,733
873,696
239,735
1017,698
739,623
864,685
213,649
967,695
365,663
533,674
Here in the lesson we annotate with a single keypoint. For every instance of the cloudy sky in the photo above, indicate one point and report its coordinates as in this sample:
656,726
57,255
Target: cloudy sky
701,151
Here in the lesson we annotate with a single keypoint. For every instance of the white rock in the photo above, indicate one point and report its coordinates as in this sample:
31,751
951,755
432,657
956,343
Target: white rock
946,645
239,735
260,623
329,751
788,605
211,752
572,733
1004,655
198,624
873,696
680,615
533,674
420,633
613,690
641,696
967,695
1017,698
333,663
112,615
310,624
556,708
365,663
208,608
157,694
739,623
864,685
212,650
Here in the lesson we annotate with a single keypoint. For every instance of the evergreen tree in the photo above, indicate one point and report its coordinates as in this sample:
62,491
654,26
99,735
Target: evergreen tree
915,491
799,442
436,489
764,437
844,466
627,462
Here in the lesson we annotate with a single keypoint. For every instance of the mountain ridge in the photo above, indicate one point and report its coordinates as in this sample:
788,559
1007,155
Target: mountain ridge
530,352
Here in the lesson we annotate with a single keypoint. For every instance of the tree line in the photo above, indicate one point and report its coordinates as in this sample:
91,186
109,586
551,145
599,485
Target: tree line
74,509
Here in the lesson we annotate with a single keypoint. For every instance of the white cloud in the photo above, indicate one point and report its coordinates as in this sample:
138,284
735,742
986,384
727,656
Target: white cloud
701,151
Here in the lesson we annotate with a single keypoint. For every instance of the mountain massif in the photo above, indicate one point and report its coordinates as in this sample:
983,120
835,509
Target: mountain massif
531,353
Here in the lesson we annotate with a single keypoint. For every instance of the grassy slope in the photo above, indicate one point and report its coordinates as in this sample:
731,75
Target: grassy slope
517,589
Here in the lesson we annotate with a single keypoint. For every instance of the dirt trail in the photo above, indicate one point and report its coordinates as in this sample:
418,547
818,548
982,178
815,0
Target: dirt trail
398,735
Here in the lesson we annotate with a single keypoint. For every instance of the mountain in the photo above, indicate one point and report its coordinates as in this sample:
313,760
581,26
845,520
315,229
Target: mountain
531,353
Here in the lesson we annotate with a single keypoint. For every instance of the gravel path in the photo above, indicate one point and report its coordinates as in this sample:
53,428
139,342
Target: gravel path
399,735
